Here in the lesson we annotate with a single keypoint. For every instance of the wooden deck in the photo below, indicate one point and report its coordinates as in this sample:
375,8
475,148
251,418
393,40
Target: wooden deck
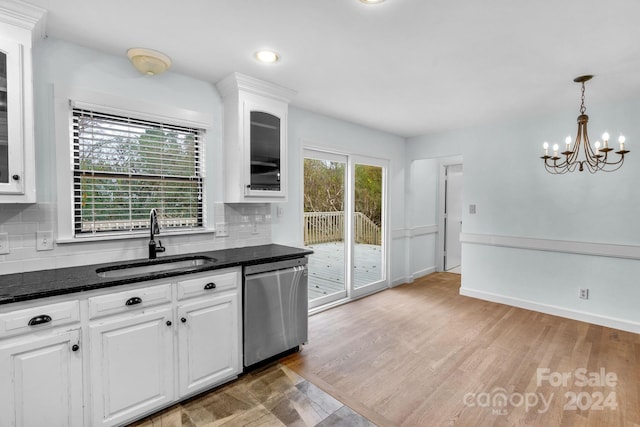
326,267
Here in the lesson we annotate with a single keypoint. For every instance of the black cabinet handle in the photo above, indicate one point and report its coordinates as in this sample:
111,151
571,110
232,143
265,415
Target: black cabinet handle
209,286
133,301
16,177
169,323
39,320
75,347
183,320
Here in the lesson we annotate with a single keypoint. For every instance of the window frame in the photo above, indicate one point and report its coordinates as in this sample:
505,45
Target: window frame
66,99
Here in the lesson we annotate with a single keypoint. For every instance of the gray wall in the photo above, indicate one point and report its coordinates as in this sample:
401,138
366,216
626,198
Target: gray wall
538,238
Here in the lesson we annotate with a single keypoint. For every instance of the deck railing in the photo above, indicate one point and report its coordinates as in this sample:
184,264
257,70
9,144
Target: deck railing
325,227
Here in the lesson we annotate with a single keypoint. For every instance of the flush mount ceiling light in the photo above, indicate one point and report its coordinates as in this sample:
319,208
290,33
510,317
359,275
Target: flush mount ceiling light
595,159
371,1
148,61
267,56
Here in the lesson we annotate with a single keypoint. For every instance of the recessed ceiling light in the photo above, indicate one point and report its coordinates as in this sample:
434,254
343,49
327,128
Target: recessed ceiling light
371,1
267,56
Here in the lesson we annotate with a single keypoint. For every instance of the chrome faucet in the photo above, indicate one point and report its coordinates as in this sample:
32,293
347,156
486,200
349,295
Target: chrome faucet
154,228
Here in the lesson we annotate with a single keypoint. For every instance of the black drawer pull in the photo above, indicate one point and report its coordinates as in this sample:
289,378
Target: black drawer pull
133,301
169,323
75,347
39,320
183,319
209,286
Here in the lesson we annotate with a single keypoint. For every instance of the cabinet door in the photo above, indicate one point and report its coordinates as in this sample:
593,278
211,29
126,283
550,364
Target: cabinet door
265,126
132,370
208,342
41,381
11,135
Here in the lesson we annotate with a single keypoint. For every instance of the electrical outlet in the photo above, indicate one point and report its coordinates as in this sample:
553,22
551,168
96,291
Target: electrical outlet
472,209
4,243
222,230
44,240
584,293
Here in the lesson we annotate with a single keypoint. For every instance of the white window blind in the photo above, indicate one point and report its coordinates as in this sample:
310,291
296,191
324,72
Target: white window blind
123,167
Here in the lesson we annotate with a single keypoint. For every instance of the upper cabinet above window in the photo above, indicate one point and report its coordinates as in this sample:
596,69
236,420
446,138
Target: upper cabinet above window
255,139
20,24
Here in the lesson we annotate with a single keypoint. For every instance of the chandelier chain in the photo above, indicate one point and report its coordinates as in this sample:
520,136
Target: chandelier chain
582,107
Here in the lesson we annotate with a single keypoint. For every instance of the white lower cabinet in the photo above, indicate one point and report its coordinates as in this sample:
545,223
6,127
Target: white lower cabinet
132,365
109,358
208,345
154,344
41,380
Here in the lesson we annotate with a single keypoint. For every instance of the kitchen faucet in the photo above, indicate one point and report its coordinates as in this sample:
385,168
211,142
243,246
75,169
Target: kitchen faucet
154,228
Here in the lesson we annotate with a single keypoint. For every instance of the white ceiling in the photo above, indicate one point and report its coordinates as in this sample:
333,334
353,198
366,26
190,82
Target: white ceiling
408,67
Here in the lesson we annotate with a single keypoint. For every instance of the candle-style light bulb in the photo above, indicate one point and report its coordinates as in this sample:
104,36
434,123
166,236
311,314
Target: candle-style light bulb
555,150
568,142
546,148
605,139
597,145
621,140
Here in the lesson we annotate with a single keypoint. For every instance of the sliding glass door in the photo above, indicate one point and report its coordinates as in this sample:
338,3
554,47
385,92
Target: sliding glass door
344,224
368,266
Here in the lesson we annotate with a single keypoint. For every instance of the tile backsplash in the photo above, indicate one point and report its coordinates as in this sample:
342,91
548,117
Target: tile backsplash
247,225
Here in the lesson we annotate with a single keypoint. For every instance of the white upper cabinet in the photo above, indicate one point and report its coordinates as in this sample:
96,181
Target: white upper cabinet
255,139
20,24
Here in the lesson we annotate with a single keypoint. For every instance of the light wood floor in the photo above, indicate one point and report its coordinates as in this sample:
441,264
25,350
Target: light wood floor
422,355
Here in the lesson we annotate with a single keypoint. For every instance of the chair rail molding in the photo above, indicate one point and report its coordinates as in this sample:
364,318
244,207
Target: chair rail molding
550,245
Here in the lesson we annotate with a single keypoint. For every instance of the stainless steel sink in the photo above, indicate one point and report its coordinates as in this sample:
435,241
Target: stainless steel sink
148,268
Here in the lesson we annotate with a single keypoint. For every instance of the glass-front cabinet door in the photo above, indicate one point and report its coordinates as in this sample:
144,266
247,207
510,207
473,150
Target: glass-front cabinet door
11,135
4,131
265,171
255,139
265,150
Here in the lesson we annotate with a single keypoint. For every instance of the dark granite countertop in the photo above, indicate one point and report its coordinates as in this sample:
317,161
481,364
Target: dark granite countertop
45,283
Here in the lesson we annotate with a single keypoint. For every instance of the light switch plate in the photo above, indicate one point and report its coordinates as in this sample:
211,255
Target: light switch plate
222,230
4,243
44,240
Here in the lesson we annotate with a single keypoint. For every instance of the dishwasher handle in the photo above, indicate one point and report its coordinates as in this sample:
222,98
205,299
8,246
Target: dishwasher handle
273,266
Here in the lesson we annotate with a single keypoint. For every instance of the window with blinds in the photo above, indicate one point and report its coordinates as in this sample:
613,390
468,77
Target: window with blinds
123,167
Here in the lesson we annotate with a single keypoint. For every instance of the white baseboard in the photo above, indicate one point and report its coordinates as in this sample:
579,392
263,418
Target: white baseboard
401,281
611,322
422,273
409,279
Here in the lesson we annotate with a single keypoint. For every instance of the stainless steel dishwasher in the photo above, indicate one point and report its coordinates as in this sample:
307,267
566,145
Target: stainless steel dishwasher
275,308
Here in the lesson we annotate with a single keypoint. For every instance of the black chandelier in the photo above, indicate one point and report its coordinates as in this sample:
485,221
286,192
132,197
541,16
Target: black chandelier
595,159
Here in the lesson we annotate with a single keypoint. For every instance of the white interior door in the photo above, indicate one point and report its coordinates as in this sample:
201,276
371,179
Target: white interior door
453,217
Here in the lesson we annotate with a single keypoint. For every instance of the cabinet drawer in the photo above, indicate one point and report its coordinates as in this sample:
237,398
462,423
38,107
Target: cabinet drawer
134,299
208,285
36,318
